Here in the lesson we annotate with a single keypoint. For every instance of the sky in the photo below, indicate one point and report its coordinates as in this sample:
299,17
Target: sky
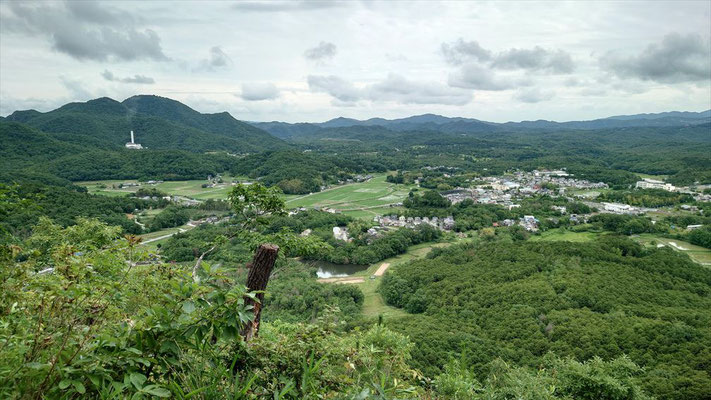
310,61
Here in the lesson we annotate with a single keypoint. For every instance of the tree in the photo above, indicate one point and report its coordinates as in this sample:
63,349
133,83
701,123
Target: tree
254,201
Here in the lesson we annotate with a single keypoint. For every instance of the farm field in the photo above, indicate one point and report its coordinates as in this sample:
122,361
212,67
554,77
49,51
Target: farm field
192,189
373,194
559,234
697,253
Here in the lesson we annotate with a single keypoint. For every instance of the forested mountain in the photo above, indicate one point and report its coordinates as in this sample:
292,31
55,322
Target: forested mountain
519,301
158,123
438,123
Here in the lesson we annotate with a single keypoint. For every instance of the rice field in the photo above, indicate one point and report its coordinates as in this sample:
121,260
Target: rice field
362,199
192,189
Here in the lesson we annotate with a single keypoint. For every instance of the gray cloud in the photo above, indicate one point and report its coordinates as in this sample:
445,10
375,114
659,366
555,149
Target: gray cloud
85,31
398,89
536,59
458,52
533,95
322,51
394,88
473,76
477,63
76,89
279,6
218,58
138,79
676,59
257,91
334,86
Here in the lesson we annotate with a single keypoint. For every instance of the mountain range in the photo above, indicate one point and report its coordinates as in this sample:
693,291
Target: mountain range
159,123
438,123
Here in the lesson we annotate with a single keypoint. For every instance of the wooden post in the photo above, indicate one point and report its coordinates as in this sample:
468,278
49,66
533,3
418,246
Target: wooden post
257,279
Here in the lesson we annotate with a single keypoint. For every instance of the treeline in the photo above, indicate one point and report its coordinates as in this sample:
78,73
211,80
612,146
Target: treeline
520,300
301,173
652,198
21,206
157,332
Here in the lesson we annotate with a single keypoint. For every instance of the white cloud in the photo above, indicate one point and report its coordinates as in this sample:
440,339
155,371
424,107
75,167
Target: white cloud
257,91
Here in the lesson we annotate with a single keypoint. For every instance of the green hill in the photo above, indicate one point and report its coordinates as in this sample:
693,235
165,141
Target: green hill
159,123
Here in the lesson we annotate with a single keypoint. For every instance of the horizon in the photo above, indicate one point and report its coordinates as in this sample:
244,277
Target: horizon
496,62
367,118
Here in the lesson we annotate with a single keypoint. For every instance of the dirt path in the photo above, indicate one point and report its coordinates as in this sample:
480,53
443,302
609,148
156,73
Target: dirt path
353,280
381,270
344,279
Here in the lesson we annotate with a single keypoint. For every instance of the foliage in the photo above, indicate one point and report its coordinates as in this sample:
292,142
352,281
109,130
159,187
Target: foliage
647,197
519,300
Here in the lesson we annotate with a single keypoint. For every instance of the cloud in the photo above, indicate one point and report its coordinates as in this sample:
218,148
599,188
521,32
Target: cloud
334,86
324,50
85,31
76,89
458,52
394,88
473,76
398,89
218,58
140,79
534,95
280,6
536,59
676,59
259,91
477,64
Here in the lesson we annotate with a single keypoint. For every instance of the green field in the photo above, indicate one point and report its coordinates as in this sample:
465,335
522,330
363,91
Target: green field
192,189
362,200
699,254
373,304
560,234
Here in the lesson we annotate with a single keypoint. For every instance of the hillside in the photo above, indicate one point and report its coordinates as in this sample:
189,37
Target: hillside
438,123
519,301
159,123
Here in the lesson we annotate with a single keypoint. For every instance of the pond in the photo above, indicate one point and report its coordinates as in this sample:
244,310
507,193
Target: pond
329,270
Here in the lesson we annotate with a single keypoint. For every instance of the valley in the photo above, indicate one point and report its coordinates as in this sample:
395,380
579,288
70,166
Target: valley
506,245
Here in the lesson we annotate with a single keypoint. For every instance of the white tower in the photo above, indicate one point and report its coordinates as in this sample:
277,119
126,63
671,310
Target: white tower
132,144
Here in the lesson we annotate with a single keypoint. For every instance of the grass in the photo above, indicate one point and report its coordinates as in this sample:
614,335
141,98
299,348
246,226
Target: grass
564,235
647,176
192,189
699,254
361,200
373,304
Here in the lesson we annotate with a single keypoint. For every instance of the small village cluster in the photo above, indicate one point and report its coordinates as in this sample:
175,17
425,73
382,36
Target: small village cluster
503,190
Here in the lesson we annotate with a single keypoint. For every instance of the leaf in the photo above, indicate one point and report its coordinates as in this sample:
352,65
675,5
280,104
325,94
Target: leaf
188,307
137,380
79,387
65,383
156,390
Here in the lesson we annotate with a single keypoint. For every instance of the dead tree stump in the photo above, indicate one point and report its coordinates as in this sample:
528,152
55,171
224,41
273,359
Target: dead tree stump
257,279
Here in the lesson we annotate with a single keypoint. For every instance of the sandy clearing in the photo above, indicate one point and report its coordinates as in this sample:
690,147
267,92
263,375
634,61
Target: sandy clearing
676,246
381,270
354,280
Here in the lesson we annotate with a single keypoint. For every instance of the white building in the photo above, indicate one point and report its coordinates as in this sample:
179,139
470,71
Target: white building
654,184
132,144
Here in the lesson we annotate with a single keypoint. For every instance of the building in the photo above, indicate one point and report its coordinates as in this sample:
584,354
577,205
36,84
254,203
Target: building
132,144
654,184
618,208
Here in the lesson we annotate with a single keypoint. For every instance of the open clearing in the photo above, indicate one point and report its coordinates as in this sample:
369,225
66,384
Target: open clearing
381,270
699,254
361,200
369,280
192,189
564,235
